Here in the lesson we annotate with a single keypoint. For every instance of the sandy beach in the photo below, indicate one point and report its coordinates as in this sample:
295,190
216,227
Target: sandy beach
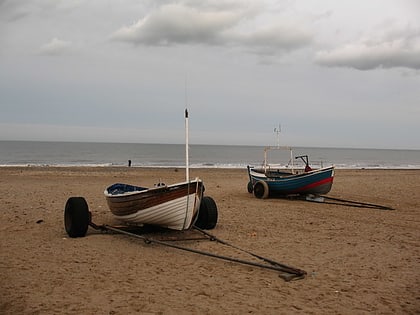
358,260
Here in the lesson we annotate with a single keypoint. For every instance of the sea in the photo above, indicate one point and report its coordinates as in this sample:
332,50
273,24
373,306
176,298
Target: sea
72,154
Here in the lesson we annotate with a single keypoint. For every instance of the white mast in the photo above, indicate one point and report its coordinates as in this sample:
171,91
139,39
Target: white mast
187,166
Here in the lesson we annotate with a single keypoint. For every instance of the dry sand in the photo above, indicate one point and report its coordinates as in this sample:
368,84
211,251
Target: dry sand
358,260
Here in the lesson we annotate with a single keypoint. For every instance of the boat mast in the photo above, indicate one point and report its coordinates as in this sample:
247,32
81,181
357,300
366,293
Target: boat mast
187,166
277,131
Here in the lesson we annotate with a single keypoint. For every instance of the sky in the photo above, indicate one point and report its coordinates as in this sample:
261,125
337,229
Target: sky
326,73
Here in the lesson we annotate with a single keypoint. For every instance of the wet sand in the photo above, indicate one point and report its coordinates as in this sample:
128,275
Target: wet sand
358,260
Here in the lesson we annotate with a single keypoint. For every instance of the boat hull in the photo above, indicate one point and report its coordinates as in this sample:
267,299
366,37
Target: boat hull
175,206
316,182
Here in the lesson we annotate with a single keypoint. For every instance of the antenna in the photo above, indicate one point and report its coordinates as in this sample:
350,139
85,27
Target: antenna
185,89
277,131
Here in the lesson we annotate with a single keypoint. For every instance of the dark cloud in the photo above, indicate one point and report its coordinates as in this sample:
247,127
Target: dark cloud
177,24
225,26
395,48
12,10
274,38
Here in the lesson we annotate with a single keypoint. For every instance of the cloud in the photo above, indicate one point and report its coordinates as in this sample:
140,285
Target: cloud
175,24
55,47
11,11
273,38
395,48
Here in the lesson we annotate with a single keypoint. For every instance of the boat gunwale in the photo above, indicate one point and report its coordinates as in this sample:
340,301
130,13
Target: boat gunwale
290,176
154,190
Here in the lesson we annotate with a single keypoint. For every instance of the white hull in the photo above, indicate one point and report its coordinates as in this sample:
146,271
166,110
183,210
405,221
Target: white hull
177,214
175,206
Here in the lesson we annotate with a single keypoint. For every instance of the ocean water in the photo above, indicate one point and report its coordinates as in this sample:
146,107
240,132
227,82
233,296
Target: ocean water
28,153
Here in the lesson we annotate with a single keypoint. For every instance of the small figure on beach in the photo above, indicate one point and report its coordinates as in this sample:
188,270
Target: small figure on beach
129,163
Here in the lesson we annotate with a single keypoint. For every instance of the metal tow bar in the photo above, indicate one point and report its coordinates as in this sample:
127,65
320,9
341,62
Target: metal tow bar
345,202
286,272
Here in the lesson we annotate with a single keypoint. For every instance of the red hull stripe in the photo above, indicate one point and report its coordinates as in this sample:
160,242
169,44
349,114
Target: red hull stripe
316,184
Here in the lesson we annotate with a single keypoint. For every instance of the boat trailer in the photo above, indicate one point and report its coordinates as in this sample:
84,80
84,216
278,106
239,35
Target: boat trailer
343,202
286,272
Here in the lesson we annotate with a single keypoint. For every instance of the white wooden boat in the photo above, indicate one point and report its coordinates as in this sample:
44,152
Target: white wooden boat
178,206
175,206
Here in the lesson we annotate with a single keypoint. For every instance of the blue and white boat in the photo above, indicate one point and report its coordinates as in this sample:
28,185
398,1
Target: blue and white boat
273,180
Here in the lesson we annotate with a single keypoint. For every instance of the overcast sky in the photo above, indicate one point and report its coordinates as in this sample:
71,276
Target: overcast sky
332,73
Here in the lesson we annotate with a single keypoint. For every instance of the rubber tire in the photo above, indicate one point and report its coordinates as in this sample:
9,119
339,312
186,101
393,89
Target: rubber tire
76,217
207,215
250,187
261,190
